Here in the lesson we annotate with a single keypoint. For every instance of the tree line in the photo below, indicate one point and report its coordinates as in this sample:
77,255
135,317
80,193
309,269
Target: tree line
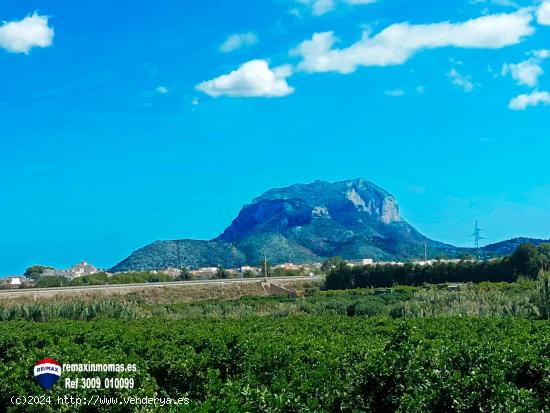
99,278
528,261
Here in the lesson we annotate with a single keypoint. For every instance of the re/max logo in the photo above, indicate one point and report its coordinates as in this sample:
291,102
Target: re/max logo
43,369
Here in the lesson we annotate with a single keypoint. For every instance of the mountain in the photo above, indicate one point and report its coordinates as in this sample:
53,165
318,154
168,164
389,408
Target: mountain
302,223
353,219
509,246
182,253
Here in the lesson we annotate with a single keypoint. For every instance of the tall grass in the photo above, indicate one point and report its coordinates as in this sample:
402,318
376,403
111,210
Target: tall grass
522,299
432,302
73,310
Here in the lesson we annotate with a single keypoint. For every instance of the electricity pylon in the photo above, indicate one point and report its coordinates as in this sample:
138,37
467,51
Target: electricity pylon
477,237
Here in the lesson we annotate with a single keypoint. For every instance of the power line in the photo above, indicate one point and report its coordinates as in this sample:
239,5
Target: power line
477,237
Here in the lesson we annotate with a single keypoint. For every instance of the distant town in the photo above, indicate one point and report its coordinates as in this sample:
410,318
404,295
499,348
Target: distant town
85,270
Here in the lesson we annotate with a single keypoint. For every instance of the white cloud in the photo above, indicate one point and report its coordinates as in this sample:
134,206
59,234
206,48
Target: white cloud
527,72
543,13
464,81
541,54
524,73
237,41
395,92
162,90
20,36
252,79
320,7
421,90
398,42
534,98
195,102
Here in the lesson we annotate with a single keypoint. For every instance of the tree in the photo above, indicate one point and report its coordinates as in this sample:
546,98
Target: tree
544,295
52,281
265,268
99,278
249,274
332,263
35,272
185,274
279,272
221,273
526,260
544,254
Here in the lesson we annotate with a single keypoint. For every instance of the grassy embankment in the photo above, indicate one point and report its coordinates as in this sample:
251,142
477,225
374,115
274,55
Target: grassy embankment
520,299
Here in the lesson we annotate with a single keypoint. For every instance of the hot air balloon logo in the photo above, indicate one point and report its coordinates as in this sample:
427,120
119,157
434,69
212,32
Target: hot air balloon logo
47,372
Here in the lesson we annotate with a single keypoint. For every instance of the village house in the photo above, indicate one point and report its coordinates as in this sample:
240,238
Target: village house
13,281
79,270
361,262
172,272
204,272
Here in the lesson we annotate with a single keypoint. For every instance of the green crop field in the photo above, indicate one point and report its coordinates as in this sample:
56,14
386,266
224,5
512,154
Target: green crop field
481,348
296,364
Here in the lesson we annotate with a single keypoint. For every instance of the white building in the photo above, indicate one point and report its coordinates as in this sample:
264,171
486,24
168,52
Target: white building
79,270
172,272
289,266
364,261
12,281
204,272
83,268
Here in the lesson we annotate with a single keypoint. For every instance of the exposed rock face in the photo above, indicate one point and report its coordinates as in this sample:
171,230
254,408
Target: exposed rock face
363,195
390,211
350,218
299,223
383,206
319,212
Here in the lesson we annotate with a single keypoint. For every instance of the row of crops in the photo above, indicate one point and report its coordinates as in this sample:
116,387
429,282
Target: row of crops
294,364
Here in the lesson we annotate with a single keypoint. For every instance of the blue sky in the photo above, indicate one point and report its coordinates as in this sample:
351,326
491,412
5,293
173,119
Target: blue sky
122,123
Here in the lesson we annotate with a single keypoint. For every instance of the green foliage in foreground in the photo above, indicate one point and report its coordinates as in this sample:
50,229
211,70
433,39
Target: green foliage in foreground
296,364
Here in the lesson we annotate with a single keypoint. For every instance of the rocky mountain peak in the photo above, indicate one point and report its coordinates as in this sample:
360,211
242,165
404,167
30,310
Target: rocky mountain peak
345,198
306,223
300,223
